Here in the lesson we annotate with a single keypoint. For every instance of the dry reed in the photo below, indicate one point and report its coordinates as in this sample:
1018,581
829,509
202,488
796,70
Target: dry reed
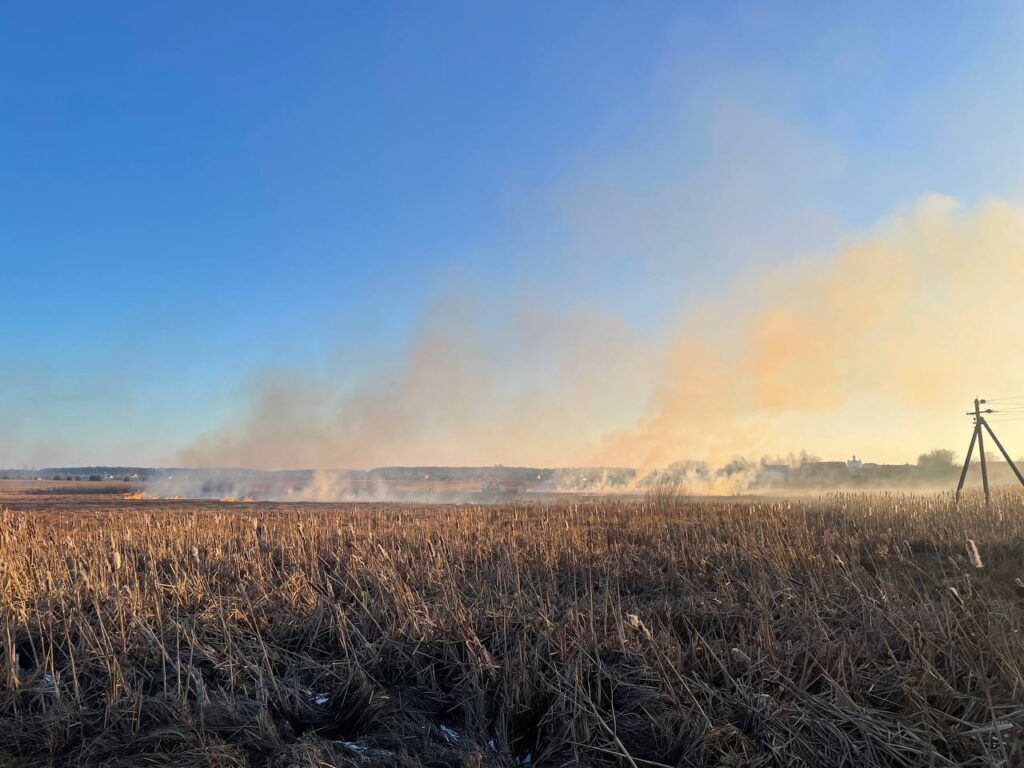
851,630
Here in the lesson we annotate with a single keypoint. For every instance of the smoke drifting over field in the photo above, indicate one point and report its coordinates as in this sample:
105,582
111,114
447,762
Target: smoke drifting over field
321,485
539,389
873,348
877,347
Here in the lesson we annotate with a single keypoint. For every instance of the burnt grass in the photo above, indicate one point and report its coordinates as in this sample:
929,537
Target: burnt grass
849,630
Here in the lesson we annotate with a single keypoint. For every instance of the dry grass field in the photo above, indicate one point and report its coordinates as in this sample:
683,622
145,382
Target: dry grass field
857,630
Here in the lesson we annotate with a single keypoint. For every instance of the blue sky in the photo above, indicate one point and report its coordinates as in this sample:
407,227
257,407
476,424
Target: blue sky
192,193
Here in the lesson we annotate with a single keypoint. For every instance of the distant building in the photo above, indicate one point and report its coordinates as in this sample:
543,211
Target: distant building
855,465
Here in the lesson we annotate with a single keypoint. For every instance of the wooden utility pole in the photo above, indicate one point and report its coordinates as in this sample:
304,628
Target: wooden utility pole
978,437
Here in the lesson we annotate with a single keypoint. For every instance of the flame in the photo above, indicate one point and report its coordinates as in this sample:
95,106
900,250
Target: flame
139,495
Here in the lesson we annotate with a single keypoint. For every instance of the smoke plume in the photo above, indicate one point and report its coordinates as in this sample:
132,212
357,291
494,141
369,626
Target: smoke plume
875,348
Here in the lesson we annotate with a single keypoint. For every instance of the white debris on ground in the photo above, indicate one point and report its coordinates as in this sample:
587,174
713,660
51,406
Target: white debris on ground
321,699
449,734
364,751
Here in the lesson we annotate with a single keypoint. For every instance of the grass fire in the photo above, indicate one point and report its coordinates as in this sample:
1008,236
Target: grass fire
511,385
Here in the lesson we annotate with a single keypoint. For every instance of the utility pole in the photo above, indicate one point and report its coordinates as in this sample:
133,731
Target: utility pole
981,447
980,425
